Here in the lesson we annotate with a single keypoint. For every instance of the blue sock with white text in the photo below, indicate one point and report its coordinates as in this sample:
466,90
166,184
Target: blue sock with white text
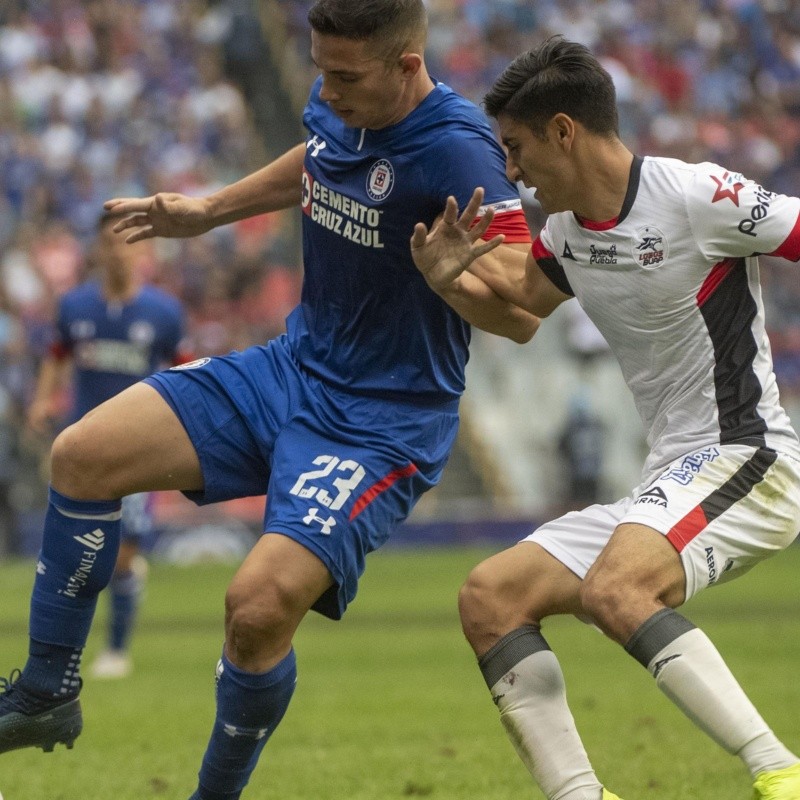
79,551
249,708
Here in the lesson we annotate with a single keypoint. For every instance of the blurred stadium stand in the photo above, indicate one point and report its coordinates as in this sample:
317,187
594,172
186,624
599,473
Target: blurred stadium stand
106,98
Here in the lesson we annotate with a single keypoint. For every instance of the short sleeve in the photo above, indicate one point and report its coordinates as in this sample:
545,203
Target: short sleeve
732,216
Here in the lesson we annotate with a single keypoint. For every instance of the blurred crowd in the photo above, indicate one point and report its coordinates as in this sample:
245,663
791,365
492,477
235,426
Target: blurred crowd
114,98
109,98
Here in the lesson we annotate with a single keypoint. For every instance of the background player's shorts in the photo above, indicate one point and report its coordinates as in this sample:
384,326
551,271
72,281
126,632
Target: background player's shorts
340,471
724,508
137,516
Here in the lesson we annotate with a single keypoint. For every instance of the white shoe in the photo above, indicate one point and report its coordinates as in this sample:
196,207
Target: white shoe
111,664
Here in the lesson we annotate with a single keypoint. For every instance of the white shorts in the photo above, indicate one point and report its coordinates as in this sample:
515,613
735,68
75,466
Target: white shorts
724,508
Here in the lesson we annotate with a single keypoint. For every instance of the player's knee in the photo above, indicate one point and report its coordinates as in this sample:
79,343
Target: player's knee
76,466
258,619
602,598
481,607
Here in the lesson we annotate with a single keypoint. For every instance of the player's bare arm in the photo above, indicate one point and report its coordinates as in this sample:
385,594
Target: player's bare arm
52,376
483,308
519,281
173,215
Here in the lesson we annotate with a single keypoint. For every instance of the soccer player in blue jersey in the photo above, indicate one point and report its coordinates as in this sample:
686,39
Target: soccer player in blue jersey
111,332
343,422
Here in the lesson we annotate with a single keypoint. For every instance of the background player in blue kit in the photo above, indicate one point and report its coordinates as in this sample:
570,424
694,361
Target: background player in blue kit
110,332
343,422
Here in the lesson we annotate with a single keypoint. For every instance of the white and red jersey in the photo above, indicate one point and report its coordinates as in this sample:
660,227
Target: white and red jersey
673,286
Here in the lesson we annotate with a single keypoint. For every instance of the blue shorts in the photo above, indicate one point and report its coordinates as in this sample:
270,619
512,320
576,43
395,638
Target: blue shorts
340,470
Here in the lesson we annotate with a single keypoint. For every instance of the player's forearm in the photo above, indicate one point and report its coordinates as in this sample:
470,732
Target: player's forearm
52,376
503,270
519,281
272,188
479,305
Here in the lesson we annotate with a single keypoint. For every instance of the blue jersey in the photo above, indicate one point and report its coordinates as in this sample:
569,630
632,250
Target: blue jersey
115,345
367,321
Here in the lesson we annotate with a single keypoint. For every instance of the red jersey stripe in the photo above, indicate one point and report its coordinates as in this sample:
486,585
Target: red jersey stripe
512,224
791,247
591,225
714,278
687,528
540,252
381,486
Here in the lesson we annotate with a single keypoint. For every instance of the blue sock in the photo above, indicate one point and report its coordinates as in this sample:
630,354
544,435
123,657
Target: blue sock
79,551
125,589
249,708
52,670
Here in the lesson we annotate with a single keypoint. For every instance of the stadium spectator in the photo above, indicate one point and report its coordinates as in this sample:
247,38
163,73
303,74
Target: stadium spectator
660,254
344,422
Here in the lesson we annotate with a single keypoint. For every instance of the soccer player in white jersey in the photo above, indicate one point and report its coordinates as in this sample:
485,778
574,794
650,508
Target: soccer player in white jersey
663,257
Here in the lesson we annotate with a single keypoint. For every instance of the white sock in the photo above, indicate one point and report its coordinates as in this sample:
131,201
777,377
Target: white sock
527,686
691,672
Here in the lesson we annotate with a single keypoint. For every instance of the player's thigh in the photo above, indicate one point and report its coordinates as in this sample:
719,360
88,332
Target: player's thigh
638,562
577,538
518,586
133,442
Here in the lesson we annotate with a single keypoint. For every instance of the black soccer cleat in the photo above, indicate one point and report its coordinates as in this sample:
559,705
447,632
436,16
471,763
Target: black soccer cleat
30,720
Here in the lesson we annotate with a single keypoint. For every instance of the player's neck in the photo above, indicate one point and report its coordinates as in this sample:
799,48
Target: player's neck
418,89
604,182
119,289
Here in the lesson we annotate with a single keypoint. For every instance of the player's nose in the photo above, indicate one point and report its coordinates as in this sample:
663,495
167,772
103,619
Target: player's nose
326,93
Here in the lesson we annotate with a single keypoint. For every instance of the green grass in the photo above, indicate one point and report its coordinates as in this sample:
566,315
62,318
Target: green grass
389,702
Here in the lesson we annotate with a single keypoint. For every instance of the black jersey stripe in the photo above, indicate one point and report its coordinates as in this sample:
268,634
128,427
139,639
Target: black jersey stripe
729,311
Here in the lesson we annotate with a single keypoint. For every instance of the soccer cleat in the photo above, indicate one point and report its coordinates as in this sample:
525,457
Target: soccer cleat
111,664
29,720
782,784
608,796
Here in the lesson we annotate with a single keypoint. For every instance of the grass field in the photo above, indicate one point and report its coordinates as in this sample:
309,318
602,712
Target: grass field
389,702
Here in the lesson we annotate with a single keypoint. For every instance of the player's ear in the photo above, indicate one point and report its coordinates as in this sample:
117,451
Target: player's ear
410,64
563,126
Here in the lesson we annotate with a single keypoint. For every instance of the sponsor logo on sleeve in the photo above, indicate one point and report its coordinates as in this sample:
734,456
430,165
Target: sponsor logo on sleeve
728,187
758,212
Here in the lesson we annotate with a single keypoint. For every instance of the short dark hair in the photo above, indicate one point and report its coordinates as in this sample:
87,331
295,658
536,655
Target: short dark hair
558,76
392,24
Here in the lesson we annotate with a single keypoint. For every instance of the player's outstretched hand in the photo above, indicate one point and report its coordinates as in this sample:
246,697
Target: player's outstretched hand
453,242
165,214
